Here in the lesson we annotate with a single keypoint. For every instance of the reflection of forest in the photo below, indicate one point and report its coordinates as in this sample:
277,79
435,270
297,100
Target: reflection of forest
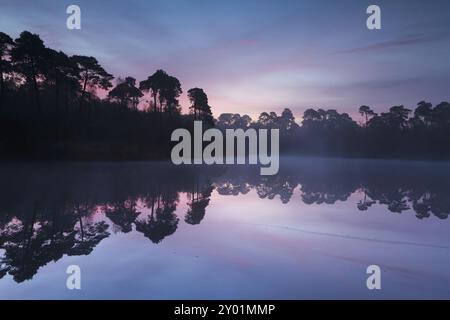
47,211
400,186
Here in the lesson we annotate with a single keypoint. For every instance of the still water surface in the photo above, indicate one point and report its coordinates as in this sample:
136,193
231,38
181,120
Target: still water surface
148,230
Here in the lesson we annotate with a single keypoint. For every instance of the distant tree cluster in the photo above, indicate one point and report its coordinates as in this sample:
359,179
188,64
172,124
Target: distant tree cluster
399,133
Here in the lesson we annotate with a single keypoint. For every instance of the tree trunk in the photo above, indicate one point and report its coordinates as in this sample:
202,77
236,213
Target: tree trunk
57,89
153,207
2,86
35,88
154,101
81,222
160,104
57,111
83,92
36,95
31,226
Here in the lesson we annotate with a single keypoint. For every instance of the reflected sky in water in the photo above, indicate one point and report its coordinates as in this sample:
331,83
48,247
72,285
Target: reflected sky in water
155,231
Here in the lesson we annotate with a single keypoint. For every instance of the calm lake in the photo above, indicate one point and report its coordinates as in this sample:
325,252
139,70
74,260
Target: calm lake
147,230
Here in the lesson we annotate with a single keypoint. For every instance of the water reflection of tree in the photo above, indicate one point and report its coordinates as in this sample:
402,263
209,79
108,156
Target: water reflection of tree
431,202
395,198
122,213
51,212
32,240
266,187
162,220
232,188
393,185
199,200
323,193
270,187
365,203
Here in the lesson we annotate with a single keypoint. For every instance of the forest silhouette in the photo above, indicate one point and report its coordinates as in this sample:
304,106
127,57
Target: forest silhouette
50,109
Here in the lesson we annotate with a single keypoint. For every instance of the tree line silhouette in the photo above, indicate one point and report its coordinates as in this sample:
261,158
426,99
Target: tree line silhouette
50,108
398,133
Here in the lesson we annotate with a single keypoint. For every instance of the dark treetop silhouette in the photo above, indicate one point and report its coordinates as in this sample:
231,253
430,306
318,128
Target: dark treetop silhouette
49,109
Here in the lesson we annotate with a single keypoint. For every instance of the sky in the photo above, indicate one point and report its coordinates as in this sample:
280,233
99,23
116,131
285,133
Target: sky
252,56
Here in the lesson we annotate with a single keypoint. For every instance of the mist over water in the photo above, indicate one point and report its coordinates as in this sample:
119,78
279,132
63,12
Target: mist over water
153,230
